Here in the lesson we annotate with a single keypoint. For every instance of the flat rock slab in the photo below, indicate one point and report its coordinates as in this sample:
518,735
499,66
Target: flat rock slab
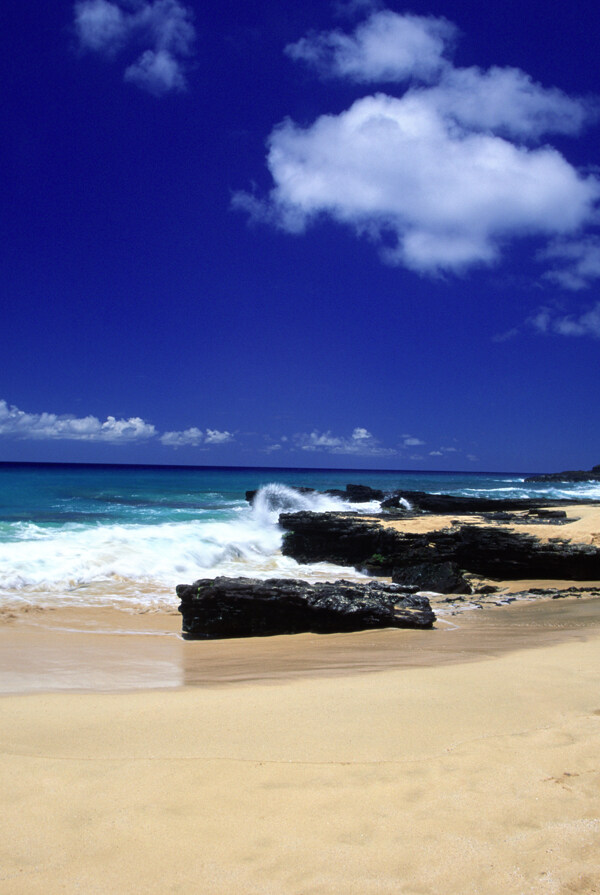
248,607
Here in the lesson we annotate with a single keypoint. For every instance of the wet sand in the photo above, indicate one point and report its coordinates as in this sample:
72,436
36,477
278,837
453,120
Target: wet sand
47,650
459,760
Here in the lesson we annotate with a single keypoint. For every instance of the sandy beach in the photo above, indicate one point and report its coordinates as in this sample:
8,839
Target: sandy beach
458,760
463,759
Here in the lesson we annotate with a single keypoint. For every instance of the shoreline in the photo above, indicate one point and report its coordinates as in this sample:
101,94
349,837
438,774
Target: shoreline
460,760
96,648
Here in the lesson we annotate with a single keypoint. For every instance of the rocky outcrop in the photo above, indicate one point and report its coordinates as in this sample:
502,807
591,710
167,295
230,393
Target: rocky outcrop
485,551
451,503
247,607
570,475
361,494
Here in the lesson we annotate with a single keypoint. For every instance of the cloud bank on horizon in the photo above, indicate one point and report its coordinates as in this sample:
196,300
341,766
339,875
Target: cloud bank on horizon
442,177
15,423
19,425
162,30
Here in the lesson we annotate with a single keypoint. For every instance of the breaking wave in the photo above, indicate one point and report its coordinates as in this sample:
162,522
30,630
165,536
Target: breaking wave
134,565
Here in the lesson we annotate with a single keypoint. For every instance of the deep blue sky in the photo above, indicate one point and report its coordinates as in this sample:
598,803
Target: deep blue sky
132,288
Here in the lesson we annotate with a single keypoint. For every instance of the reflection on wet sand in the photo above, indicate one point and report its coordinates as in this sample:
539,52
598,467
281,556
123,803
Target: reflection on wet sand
108,650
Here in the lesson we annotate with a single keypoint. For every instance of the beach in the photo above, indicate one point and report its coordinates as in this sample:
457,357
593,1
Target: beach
463,759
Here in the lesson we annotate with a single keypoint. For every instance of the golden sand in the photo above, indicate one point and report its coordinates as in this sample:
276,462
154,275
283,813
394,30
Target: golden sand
459,760
582,526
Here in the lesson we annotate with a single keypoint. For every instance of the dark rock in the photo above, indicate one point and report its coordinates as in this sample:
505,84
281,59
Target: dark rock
336,537
570,475
363,494
481,550
453,503
486,589
247,607
440,577
352,493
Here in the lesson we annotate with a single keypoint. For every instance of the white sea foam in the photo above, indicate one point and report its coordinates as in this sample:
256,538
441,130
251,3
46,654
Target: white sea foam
139,565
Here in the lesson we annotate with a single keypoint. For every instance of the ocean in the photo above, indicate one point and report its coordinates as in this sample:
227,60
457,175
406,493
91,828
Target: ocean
124,536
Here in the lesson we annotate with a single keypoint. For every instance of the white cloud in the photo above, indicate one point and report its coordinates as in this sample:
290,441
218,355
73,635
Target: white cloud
193,437
549,321
157,72
360,442
396,167
508,101
18,424
213,436
430,176
100,25
386,47
411,441
163,29
443,450
576,262
190,437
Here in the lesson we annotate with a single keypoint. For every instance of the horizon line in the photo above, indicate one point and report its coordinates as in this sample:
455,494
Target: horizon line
99,465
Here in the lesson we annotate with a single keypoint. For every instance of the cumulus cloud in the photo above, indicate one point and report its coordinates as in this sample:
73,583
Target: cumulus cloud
360,442
507,100
162,29
441,177
386,47
550,321
411,441
17,423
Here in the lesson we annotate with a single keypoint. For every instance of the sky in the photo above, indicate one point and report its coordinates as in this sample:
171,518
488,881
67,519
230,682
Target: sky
322,234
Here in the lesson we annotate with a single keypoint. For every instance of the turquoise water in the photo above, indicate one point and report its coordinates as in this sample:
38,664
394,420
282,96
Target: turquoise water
86,535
